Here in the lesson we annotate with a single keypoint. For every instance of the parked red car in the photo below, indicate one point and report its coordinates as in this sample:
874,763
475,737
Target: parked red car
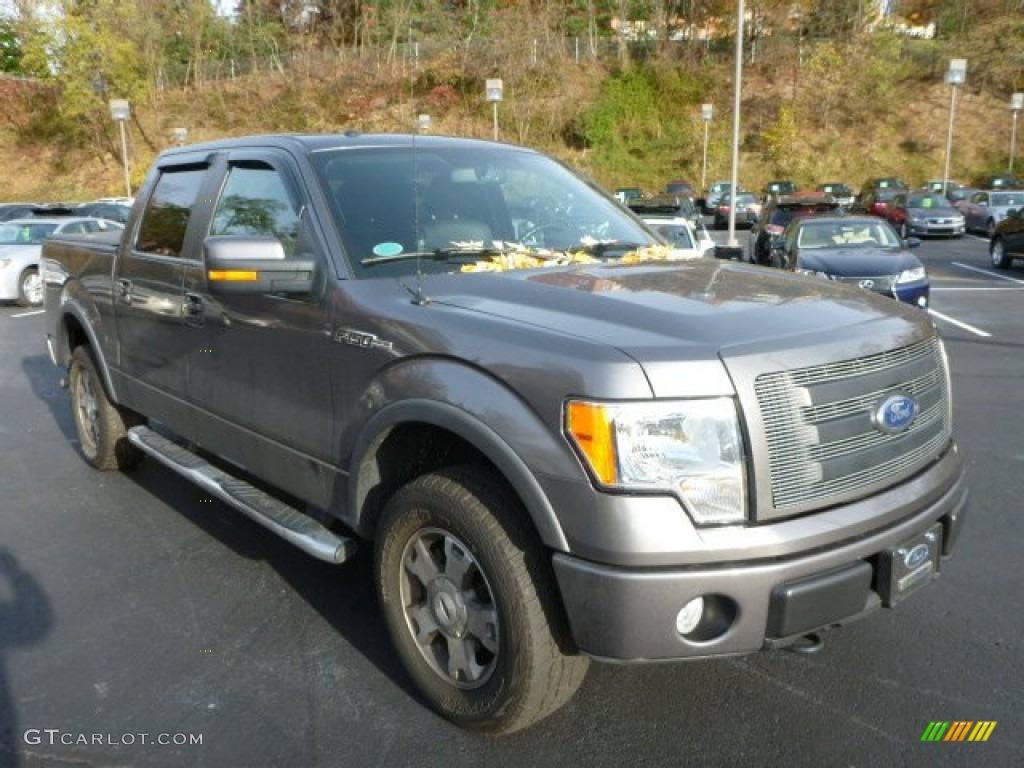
877,200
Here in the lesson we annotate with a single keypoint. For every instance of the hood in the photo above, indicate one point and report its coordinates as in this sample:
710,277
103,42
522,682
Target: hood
860,262
939,212
667,316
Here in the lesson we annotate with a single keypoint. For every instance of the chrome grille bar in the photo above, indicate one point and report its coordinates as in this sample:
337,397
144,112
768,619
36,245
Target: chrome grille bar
818,421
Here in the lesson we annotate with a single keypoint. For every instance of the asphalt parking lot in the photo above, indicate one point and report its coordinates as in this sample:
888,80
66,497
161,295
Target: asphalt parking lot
142,624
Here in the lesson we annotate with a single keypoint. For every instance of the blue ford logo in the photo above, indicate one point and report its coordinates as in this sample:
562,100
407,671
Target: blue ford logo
895,414
916,556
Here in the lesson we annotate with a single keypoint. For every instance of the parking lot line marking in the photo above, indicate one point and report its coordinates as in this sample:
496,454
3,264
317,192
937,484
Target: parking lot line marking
987,273
958,324
29,314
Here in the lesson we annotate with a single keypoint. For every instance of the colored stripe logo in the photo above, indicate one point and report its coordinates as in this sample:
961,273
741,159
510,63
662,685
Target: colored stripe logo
958,730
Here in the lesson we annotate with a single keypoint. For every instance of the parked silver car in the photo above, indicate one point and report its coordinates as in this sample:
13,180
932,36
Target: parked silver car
21,242
986,208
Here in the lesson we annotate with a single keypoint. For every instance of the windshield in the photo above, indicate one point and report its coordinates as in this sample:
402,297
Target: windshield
847,234
395,206
1007,199
926,201
24,234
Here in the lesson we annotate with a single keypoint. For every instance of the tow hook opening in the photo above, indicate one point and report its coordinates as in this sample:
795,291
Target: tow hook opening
812,642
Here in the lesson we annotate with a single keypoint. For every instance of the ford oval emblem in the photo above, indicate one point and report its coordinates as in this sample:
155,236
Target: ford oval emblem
916,556
895,414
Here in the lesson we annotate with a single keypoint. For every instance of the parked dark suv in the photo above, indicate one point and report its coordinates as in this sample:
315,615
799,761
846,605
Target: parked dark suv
776,214
1007,241
999,181
778,188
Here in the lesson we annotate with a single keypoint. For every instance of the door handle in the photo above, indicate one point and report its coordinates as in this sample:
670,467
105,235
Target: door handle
124,290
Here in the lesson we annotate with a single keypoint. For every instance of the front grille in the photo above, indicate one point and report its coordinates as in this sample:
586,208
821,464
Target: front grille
823,446
879,283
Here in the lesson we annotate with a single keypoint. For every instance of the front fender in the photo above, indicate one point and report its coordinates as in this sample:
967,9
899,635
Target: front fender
485,413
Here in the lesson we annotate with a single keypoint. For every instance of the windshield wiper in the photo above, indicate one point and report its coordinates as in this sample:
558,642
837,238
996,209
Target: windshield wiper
470,254
601,247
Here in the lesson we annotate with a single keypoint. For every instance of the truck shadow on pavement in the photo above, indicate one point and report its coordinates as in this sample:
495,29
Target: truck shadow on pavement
343,594
26,616
44,381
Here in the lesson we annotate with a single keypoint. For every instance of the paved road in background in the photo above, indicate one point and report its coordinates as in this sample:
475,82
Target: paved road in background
131,605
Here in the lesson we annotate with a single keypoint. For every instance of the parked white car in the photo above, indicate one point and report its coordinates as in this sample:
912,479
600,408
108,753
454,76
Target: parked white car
21,242
987,207
687,242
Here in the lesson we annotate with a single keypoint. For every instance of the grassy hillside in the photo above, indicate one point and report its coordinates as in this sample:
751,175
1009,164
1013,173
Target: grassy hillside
875,106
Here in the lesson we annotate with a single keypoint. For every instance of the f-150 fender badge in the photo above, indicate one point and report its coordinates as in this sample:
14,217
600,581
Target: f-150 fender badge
360,339
895,414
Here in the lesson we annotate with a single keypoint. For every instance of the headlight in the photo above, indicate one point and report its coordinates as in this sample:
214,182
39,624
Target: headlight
911,275
815,272
691,448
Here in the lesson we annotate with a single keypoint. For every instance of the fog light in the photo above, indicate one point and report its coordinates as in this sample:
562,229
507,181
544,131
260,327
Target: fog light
922,302
689,617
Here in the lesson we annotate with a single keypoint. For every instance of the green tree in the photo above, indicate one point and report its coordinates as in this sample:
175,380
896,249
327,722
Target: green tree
10,47
81,50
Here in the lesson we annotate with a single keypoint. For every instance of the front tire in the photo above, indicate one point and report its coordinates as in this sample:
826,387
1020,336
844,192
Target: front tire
102,426
1000,259
470,601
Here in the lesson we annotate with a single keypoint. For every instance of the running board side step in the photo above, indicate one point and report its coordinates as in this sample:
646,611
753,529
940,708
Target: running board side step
286,521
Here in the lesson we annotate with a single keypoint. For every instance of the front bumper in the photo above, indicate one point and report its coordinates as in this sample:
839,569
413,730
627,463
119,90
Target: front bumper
913,293
933,229
629,614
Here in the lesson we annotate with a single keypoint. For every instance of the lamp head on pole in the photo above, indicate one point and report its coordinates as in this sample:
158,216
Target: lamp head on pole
957,72
120,109
495,89
706,110
1017,102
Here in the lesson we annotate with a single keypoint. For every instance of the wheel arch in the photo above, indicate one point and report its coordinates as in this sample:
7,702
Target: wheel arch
416,436
74,330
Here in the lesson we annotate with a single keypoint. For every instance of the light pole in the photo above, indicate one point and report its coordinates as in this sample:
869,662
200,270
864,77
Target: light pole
955,75
120,111
706,110
1016,105
737,91
494,94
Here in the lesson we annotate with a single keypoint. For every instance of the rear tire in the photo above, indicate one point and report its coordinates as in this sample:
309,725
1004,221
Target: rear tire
471,604
30,288
102,426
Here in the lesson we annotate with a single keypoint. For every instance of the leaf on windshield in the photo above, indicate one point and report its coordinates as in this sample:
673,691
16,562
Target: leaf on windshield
518,256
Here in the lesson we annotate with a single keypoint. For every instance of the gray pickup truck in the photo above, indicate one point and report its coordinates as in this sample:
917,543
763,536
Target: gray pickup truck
561,443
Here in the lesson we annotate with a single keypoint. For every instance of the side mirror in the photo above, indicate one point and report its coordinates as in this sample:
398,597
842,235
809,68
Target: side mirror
251,265
912,242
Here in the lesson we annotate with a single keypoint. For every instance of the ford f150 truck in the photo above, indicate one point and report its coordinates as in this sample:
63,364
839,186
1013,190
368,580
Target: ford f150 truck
561,444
